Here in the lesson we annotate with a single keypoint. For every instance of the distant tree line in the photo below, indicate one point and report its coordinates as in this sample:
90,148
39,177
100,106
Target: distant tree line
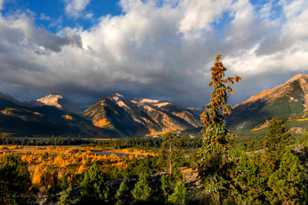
149,142
144,142
42,141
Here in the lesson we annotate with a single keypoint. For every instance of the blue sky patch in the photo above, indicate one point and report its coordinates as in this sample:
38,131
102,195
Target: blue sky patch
50,14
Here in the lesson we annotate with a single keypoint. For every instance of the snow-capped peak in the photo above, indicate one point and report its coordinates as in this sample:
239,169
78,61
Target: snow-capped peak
51,100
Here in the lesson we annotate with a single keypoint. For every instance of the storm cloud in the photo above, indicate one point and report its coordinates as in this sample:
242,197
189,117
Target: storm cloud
156,50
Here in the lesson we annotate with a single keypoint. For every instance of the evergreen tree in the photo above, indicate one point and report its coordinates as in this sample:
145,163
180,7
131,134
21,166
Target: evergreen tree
142,190
121,192
165,185
92,187
170,153
179,195
215,134
277,136
213,156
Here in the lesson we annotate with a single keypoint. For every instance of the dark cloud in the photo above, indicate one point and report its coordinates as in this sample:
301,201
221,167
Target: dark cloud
159,52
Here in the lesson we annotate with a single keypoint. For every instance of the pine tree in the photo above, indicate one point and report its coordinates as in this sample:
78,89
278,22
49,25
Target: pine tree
277,136
215,133
142,190
92,187
120,194
171,154
179,195
213,116
166,185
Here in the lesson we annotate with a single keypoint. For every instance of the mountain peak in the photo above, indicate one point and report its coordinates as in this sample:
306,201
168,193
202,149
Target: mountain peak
300,80
297,77
51,100
287,100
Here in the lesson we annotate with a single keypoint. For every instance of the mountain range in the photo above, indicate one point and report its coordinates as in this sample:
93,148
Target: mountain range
33,119
139,117
113,116
117,116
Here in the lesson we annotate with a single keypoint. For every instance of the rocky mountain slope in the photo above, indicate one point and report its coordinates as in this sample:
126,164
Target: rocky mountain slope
140,117
287,101
21,119
116,116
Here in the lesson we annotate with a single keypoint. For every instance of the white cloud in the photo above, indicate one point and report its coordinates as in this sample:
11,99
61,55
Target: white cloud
199,14
74,8
248,63
296,13
152,50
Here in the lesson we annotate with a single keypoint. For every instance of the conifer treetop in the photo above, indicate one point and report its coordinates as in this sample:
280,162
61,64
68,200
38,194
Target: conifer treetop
218,108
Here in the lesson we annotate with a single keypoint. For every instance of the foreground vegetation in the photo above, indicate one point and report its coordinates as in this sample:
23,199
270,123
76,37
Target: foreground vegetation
272,169
218,168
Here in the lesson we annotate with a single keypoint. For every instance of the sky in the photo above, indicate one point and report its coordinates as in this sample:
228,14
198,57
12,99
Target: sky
86,49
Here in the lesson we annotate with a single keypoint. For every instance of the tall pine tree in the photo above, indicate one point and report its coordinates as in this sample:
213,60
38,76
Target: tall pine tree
215,133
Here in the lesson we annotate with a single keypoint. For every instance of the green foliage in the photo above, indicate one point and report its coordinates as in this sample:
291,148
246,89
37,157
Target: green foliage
277,136
289,183
142,190
146,167
171,154
179,195
92,187
166,185
121,193
214,189
248,182
233,176
67,197
273,172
